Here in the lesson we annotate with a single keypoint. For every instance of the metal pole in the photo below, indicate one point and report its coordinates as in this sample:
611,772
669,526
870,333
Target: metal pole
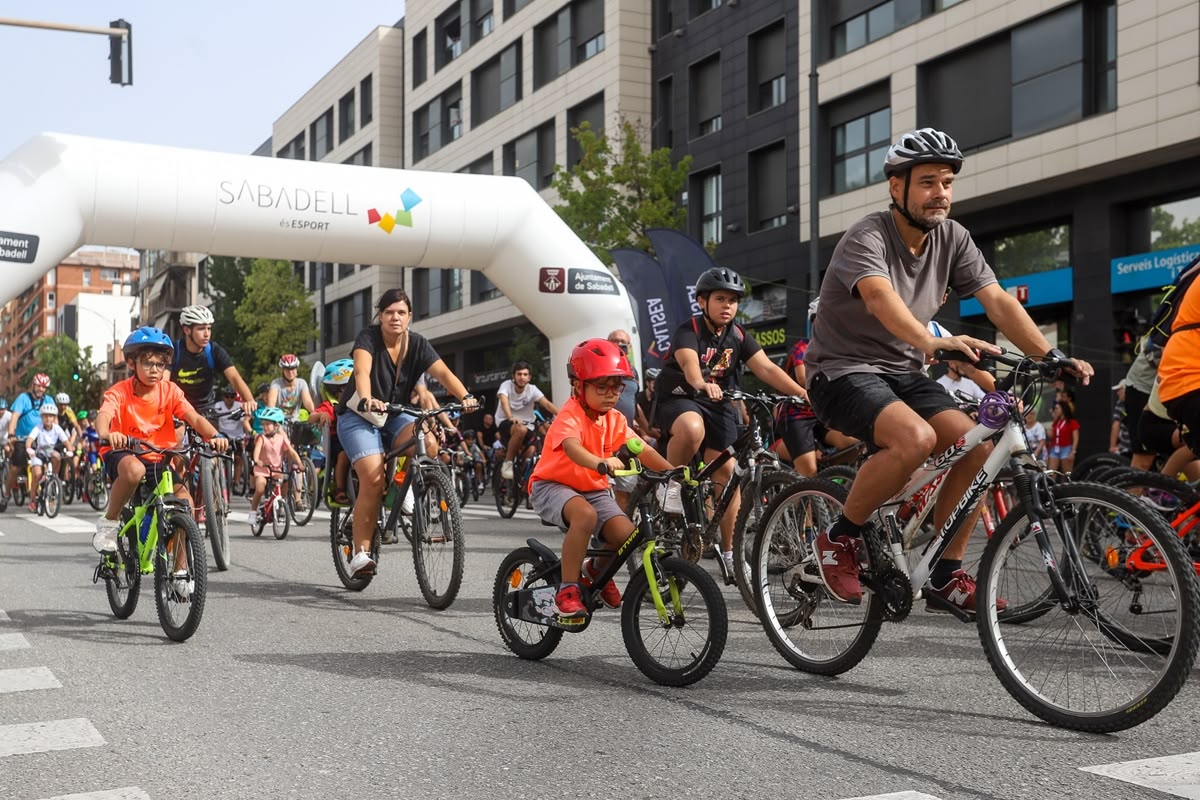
814,171
59,26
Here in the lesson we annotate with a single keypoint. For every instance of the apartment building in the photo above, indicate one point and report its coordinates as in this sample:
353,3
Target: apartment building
35,312
353,115
493,87
168,281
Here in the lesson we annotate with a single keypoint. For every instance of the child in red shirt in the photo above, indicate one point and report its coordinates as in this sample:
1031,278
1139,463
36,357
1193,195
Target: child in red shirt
566,487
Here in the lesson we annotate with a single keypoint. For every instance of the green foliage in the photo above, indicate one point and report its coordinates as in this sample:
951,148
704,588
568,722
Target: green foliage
61,359
1165,234
1036,251
274,317
616,192
529,345
227,286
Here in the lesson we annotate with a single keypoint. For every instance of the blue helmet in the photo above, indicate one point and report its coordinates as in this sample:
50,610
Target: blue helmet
3,404
338,373
148,338
271,414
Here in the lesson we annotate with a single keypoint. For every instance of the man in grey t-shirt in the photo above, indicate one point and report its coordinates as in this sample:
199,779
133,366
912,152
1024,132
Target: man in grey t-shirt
886,280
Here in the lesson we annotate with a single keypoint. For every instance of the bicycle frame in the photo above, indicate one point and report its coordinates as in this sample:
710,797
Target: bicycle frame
155,505
1144,558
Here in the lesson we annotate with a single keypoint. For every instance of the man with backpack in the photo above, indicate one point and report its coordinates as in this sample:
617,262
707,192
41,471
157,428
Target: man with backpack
25,415
199,362
1178,316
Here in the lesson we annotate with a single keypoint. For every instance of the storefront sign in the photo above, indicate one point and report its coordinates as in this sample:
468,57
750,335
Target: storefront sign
767,338
1152,270
1037,289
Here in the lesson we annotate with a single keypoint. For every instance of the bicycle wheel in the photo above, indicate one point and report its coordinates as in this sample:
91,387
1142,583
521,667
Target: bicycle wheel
215,513
438,546
461,488
123,578
527,640
812,631
1088,468
180,602
242,486
341,543
841,474
68,484
306,486
1125,644
689,644
97,491
52,496
506,494
749,517
281,516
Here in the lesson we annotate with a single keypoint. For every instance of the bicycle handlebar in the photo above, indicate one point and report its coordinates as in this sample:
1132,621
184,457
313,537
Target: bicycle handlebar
140,447
1050,368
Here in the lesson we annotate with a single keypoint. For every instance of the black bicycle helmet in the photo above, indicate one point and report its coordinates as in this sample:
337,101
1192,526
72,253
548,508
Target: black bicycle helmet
924,146
719,278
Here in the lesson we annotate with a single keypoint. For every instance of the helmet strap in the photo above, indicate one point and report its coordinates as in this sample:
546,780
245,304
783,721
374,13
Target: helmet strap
903,208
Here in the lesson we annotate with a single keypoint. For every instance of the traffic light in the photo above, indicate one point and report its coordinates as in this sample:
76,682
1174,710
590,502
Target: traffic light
120,54
75,376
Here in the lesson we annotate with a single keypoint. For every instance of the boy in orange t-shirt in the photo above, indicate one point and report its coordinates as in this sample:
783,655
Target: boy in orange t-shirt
566,487
143,407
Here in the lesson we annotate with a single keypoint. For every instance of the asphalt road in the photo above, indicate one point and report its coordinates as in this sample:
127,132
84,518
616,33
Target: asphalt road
294,687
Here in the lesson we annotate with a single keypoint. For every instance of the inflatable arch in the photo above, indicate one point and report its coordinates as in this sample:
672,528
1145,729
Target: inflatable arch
60,192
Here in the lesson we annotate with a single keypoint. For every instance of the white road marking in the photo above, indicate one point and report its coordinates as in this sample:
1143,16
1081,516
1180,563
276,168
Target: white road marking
1174,775
43,737
896,796
27,679
4,617
127,793
13,641
61,523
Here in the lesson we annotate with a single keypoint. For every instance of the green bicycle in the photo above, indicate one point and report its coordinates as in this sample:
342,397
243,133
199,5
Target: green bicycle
158,535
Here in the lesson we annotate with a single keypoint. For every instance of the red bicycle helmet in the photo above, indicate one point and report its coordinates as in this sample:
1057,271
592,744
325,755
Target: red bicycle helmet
41,380
289,361
598,358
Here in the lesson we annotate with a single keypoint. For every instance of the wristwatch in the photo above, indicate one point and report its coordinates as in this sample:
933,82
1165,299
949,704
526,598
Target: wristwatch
1058,354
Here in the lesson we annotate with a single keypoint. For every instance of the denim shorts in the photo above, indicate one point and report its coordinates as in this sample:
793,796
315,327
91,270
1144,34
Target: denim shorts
360,438
550,498
1059,451
853,402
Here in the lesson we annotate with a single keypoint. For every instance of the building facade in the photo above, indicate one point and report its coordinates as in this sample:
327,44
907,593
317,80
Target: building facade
168,281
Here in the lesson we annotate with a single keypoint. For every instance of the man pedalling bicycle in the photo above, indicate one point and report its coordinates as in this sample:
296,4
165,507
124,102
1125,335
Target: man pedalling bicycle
885,282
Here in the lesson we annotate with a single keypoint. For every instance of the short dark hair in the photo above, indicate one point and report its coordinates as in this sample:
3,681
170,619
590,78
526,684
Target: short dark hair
392,296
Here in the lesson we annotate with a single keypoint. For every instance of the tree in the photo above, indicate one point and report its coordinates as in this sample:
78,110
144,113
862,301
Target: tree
274,317
1165,234
226,286
615,193
70,370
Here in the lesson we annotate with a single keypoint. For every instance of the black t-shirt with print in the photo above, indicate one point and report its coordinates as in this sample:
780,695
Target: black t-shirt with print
195,377
384,383
721,357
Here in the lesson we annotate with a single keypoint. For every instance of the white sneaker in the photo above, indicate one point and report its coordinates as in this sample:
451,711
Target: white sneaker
252,518
362,560
105,538
672,503
506,470
409,503
181,585
727,557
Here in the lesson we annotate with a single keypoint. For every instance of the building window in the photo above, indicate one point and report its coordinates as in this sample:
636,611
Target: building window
110,275
767,67
345,271
860,30
593,46
50,300
452,114
860,147
709,212
698,7
663,21
1033,251
420,58
571,36
532,156
768,198
366,102
362,158
345,317
483,289
87,277
293,149
484,21
346,116
448,38
496,85
587,18
320,273
545,50
513,6
663,131
321,135
590,111
480,166
1175,224
1104,58
438,122
705,100
421,132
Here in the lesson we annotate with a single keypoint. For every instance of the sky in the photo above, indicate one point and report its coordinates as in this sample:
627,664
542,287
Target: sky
212,75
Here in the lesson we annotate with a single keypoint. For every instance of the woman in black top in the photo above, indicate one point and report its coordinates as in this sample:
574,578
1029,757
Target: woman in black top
388,361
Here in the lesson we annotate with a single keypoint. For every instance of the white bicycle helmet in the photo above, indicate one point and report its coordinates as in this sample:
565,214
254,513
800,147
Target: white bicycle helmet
195,315
924,146
63,399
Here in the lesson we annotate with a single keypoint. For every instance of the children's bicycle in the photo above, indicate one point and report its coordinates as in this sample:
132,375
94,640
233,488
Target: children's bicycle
1076,630
47,495
158,535
673,616
274,509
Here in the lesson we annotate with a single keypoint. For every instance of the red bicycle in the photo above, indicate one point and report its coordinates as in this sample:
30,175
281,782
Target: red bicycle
274,510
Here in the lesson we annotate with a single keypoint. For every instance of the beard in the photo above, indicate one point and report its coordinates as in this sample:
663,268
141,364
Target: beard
930,216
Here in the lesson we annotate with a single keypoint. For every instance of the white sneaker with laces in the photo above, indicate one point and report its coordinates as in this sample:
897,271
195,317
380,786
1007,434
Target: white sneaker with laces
181,585
105,538
362,560
408,504
251,518
672,502
506,470
727,557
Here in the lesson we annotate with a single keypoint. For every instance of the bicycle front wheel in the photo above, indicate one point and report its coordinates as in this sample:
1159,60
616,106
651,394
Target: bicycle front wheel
745,527
68,484
506,494
214,514
438,545
341,543
812,631
688,644
281,517
97,491
52,496
304,486
123,579
180,586
1119,646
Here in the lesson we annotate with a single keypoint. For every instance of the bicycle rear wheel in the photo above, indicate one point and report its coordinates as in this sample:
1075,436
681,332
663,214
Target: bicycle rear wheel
1124,645
180,600
306,487
527,640
506,494
123,580
52,496
215,512
684,649
745,528
341,543
812,631
438,545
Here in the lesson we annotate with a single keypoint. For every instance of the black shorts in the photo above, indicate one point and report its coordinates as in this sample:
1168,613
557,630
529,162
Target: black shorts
154,469
799,435
20,457
1186,411
720,422
851,403
1135,402
505,429
1155,434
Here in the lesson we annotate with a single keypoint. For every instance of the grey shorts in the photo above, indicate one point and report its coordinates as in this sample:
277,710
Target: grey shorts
550,498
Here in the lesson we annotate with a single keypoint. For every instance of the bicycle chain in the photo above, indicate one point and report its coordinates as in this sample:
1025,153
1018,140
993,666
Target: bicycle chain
889,583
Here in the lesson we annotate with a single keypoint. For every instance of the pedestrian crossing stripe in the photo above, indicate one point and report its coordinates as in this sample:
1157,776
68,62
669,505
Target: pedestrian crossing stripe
127,793
13,641
44,737
896,796
61,524
27,679
1177,775
3,616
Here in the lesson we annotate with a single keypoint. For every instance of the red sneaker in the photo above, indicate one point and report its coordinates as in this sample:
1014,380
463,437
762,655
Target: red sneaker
570,602
837,561
610,594
959,592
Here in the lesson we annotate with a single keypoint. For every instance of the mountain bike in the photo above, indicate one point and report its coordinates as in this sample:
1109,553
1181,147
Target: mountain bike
209,489
1076,631
434,529
47,495
1176,501
275,506
302,483
95,484
673,616
158,535
511,492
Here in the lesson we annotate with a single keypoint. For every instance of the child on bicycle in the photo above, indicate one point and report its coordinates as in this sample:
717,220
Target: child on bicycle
337,375
42,446
567,488
269,448
143,407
